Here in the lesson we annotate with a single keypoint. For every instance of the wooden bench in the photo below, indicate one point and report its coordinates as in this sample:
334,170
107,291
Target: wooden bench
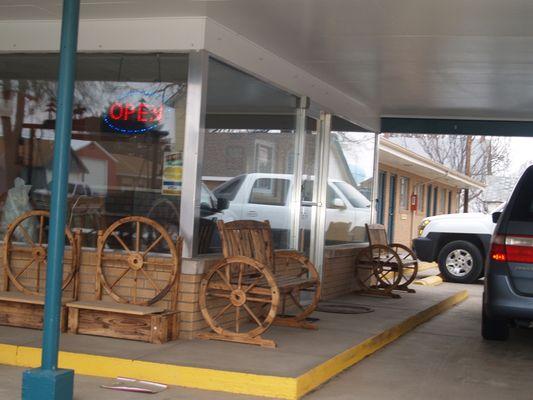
24,271
382,267
132,310
245,293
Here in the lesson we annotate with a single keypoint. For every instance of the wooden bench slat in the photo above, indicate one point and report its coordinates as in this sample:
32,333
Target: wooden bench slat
18,297
131,309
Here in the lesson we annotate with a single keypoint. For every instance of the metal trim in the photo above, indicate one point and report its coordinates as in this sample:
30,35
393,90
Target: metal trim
299,148
319,223
375,181
193,150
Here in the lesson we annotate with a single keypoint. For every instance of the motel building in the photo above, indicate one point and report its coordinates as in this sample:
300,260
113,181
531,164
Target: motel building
189,116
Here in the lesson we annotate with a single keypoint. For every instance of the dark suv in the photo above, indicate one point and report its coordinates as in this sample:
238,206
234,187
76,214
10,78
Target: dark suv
508,294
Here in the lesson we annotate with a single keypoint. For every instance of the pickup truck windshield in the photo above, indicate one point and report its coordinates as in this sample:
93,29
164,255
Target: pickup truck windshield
355,198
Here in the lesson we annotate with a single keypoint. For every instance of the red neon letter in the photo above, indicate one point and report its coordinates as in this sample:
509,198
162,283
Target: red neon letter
128,110
115,111
142,111
157,113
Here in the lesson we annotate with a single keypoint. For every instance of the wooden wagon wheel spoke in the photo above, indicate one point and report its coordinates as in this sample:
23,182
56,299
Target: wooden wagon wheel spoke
222,311
220,295
224,279
137,236
237,319
170,263
122,275
152,282
239,282
252,315
41,229
25,268
259,300
152,246
119,239
19,249
135,276
253,284
26,235
296,302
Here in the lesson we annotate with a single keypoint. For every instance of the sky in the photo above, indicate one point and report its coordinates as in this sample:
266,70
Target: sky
520,153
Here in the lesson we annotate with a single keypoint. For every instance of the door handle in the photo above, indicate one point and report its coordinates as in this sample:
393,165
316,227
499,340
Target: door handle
252,213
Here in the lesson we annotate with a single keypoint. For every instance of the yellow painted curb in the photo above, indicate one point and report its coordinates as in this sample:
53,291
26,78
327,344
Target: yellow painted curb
433,280
327,370
226,381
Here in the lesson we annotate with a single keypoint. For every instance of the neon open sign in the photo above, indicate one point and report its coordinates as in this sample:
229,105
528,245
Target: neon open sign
132,117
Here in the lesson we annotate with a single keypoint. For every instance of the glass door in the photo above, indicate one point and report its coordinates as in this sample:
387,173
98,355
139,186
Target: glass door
309,190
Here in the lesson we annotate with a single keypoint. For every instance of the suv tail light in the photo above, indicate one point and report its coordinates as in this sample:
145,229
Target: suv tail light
512,248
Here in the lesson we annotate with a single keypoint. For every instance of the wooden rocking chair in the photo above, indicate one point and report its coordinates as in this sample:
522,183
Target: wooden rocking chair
382,268
240,296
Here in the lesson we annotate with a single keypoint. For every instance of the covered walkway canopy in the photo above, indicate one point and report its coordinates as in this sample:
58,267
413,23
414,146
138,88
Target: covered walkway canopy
415,58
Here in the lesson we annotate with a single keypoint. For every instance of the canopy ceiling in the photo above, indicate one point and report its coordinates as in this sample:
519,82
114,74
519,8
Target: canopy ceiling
423,58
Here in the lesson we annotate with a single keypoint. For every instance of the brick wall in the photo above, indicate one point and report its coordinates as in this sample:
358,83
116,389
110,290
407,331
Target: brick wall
406,221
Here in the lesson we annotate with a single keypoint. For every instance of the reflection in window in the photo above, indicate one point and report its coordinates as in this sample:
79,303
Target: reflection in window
350,185
248,152
420,190
269,191
127,142
404,193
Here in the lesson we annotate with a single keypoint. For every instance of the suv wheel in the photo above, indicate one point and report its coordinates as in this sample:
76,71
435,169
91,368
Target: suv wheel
493,328
460,262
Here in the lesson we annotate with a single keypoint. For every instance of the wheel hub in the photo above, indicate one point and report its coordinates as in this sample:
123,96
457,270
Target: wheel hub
237,297
39,253
459,262
135,261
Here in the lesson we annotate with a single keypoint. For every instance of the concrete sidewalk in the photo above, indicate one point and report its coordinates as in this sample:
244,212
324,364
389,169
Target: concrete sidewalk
314,355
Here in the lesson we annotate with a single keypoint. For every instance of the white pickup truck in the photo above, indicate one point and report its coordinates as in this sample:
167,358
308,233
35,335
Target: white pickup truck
457,242
265,196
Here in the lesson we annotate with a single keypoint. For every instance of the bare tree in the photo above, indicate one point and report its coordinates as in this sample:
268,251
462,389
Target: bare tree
489,155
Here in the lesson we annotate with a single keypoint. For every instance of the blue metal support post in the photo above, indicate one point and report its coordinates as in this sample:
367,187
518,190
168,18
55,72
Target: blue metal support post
48,382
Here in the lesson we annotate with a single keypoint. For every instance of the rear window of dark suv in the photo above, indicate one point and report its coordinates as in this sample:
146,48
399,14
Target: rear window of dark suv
522,209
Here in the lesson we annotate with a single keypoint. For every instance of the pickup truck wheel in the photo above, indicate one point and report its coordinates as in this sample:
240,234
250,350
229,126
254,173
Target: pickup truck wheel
460,262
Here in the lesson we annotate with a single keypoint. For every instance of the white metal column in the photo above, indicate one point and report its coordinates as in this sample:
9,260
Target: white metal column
318,228
193,149
299,148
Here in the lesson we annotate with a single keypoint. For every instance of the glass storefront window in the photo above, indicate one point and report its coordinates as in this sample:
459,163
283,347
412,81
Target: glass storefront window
404,193
350,183
248,153
127,147
420,190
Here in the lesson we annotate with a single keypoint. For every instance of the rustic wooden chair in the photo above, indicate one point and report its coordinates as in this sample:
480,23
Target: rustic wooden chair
135,279
241,295
383,267
24,271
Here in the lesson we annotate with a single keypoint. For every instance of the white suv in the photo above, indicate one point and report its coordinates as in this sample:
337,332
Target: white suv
264,196
459,243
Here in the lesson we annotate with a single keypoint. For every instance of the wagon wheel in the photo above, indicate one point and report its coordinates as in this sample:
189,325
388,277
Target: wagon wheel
304,298
26,248
378,267
409,263
167,214
140,262
235,290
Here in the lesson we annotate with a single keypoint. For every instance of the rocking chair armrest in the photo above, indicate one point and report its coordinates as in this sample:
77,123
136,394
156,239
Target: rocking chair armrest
243,260
306,264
